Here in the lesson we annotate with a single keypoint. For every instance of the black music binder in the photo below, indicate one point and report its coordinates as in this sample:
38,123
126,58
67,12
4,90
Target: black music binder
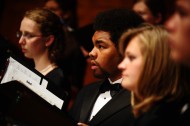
21,106
29,99
35,81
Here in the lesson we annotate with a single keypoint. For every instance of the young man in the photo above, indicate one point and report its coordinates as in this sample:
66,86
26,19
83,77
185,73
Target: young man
94,104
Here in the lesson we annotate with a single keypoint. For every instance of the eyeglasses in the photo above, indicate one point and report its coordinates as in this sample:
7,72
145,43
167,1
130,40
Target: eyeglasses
26,35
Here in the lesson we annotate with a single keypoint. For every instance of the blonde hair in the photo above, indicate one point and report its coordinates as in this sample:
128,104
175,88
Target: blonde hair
159,78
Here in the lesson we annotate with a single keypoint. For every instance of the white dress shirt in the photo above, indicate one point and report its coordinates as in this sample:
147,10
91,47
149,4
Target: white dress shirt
102,99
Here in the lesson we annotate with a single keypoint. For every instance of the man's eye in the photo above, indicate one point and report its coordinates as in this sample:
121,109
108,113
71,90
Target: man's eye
100,47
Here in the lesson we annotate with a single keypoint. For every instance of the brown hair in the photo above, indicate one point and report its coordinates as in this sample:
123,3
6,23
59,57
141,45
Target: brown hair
49,24
159,78
164,8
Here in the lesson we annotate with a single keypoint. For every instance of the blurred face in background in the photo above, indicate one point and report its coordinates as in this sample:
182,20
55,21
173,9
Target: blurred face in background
131,65
141,8
178,27
31,40
54,7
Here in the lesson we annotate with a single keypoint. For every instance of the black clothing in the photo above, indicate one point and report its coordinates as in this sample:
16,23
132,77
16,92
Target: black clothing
4,49
113,88
117,112
57,79
73,63
175,113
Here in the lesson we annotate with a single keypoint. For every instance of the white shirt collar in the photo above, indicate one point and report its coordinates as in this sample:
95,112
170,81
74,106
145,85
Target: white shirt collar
117,81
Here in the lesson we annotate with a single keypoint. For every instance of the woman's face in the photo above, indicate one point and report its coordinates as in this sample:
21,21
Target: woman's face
131,65
178,27
31,40
144,12
54,7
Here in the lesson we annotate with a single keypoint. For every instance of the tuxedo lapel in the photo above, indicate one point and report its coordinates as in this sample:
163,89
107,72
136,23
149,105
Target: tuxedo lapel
120,101
89,101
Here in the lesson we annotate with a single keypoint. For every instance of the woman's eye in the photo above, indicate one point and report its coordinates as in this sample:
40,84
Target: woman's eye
131,58
141,13
181,11
29,35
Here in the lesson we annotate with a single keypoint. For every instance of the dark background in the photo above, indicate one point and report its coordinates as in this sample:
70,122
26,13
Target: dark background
86,12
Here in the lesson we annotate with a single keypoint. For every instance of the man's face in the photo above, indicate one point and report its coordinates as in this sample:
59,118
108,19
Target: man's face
104,56
179,32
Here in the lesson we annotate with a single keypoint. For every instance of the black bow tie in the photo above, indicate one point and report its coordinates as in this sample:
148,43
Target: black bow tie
113,88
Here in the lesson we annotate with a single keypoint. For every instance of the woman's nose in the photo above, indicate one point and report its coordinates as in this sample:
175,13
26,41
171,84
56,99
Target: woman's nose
123,64
22,40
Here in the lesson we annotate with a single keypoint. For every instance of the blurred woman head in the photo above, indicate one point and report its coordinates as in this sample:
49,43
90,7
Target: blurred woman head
178,27
41,34
64,9
152,11
147,69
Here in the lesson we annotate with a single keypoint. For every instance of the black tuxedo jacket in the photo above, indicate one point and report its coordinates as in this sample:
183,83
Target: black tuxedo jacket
116,112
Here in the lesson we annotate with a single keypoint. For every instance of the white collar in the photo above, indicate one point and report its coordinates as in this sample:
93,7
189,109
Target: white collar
117,81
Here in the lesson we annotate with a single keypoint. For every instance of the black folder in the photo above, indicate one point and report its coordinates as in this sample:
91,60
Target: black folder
21,106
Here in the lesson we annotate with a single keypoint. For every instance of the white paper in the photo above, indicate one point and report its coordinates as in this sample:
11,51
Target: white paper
17,71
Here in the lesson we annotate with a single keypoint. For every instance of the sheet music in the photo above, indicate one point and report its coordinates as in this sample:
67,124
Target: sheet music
17,71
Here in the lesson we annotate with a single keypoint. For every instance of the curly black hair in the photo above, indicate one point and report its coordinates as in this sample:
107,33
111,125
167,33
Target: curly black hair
116,21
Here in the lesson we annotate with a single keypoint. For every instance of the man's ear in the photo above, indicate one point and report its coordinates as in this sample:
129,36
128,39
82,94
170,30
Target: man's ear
49,40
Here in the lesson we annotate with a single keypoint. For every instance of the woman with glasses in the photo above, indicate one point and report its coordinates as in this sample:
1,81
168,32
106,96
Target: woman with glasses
42,39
